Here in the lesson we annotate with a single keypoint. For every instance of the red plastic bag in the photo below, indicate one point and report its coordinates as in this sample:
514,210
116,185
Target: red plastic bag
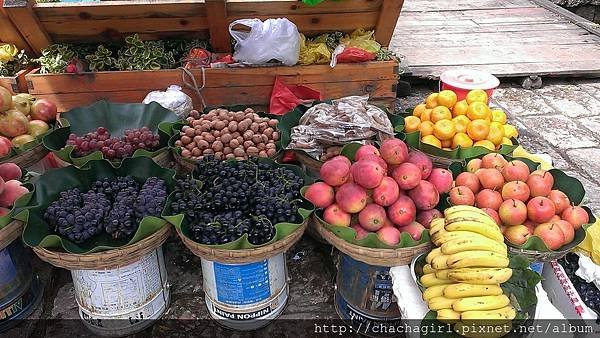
352,54
286,97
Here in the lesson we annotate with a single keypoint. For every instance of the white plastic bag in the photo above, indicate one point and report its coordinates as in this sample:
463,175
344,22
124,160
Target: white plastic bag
173,99
273,39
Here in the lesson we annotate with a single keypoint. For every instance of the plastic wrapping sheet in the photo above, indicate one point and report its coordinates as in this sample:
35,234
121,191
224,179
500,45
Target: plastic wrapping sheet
173,99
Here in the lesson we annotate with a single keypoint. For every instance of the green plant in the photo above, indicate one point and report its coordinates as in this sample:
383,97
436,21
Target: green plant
143,55
100,60
385,54
11,68
55,58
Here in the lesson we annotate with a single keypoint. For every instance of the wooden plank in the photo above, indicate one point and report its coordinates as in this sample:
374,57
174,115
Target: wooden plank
21,11
573,68
572,17
509,15
220,40
388,18
98,27
403,31
428,5
288,7
9,33
10,83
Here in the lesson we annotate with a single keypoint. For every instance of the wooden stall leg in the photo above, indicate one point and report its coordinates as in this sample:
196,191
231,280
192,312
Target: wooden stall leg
216,12
21,12
388,17
9,33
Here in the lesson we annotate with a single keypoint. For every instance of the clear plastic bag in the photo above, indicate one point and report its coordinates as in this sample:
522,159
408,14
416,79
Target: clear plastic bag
273,39
173,99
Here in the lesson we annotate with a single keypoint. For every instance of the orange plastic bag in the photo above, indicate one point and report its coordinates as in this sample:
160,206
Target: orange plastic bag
285,98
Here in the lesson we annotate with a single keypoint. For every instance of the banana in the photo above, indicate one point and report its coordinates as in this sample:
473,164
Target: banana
434,291
441,302
432,254
442,274
463,208
470,243
480,303
499,316
487,276
428,269
489,231
475,218
430,280
463,290
440,262
448,316
436,226
440,239
483,331
476,258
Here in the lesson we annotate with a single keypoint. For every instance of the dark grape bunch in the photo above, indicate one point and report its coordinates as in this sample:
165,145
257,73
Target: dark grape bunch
114,148
236,198
588,292
112,205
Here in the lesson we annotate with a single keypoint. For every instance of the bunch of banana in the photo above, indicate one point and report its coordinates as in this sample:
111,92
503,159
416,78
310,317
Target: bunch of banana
464,272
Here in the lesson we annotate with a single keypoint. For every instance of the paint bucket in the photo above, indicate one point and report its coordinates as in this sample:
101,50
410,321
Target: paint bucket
461,81
20,289
246,296
124,300
364,298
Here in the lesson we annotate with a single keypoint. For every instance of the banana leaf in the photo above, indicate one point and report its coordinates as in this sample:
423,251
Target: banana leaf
27,146
176,127
116,118
38,233
571,186
281,229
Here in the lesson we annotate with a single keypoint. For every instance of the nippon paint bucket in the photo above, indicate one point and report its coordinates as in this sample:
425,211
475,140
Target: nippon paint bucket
246,296
364,298
462,80
124,300
20,289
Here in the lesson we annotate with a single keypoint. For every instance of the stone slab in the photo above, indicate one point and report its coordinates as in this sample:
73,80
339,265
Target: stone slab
588,161
570,100
560,131
521,102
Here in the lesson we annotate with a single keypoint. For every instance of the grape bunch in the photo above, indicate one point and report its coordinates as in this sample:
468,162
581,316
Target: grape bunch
114,148
237,198
114,206
588,292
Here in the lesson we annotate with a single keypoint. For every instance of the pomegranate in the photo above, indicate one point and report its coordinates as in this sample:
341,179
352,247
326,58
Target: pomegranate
5,99
13,123
43,110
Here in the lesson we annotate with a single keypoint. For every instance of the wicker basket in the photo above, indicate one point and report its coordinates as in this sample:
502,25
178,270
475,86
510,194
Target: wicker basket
28,158
10,232
372,256
538,256
106,259
308,162
185,166
163,159
246,255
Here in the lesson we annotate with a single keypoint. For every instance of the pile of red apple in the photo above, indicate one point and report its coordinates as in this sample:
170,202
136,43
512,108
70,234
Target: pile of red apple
523,203
386,191
10,187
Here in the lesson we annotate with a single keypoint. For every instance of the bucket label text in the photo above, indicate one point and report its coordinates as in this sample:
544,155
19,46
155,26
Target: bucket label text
242,284
242,316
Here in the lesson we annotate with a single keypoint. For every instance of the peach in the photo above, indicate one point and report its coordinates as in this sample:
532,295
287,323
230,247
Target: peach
372,217
512,212
425,217
493,161
10,171
468,180
540,183
407,175
394,151
402,212
540,209
5,146
389,235
335,172
422,161
425,195
517,234
462,196
518,190
493,214
341,158
12,191
488,198
377,159
414,229
442,180
334,215
560,199
516,171
365,150
351,198
490,178
367,174
567,230
474,165
360,232
320,194
387,192
4,212
550,234
575,215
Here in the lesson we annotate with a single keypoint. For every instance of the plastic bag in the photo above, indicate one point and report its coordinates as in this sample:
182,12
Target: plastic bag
173,99
286,97
313,52
362,39
273,39
351,54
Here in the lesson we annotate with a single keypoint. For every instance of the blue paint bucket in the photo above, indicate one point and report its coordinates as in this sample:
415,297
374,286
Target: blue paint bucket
364,298
20,290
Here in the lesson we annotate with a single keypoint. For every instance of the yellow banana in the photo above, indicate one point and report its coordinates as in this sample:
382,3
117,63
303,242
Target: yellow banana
440,239
483,331
462,290
470,243
494,317
434,291
442,274
476,258
489,231
430,280
436,226
475,218
488,276
432,254
441,302
463,208
428,269
439,262
480,303
448,316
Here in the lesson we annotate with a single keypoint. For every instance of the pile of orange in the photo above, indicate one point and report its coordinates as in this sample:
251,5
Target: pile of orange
447,123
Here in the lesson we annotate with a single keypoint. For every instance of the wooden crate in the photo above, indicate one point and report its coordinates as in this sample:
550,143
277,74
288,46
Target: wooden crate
15,84
46,23
226,86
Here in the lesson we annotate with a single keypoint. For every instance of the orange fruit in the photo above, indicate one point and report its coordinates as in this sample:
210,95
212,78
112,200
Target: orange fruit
486,144
496,134
477,95
460,108
461,139
447,98
426,128
478,110
478,130
411,123
431,101
444,130
432,140
447,144
510,131
440,113
498,115
419,110
460,123
426,115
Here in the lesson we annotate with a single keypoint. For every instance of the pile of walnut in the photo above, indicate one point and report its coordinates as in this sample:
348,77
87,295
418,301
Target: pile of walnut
227,135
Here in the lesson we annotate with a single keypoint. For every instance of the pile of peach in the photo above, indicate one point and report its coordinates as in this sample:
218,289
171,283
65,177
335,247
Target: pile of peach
10,186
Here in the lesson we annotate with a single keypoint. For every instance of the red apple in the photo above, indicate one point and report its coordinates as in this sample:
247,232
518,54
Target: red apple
414,229
469,180
462,196
442,180
425,195
425,217
540,209
360,232
493,161
320,194
517,234
365,150
403,211
5,146
387,192
567,230
513,212
407,175
394,151
530,226
334,215
518,190
488,198
516,171
490,178
335,172
493,214
550,234
367,174
422,161
389,235
351,198
560,199
341,158
540,183
372,217
575,215
474,165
